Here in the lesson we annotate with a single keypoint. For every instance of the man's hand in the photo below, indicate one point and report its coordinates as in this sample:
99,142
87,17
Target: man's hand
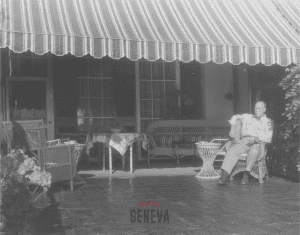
258,140
232,131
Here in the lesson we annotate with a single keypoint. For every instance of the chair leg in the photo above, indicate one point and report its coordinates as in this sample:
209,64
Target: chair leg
72,185
88,159
267,177
260,175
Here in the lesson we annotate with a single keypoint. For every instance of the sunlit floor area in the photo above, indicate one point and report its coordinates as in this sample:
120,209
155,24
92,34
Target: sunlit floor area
183,204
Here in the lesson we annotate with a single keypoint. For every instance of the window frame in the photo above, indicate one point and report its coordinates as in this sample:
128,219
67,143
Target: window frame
176,81
102,97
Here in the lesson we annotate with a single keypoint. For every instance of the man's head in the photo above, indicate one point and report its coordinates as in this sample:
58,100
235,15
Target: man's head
260,109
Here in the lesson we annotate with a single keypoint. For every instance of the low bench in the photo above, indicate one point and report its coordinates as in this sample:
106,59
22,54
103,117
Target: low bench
176,138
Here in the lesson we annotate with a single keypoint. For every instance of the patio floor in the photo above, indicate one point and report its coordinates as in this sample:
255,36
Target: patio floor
104,204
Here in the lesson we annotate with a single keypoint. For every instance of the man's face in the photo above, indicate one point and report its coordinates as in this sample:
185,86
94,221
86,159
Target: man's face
259,109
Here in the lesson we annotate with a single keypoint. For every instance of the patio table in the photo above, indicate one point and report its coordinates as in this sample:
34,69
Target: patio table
118,141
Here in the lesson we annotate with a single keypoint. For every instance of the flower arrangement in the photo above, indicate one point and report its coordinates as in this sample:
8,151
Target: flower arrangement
17,166
18,172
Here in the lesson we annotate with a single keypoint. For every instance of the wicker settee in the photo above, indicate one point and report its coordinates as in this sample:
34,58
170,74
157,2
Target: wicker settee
176,138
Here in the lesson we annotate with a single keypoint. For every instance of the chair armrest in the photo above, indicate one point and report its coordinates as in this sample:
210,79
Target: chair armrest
57,141
214,140
150,142
220,141
53,142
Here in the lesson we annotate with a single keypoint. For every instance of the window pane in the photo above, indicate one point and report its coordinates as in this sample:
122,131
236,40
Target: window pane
158,90
157,109
81,67
95,87
83,124
170,87
145,92
96,125
95,107
157,71
15,66
109,123
82,87
145,70
146,108
26,67
40,67
82,108
170,71
95,68
108,107
107,88
107,67
144,125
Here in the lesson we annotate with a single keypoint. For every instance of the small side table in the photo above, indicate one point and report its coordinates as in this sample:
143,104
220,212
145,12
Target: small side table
78,151
208,153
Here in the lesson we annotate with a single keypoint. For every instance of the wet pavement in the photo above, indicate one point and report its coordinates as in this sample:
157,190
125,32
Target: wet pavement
109,205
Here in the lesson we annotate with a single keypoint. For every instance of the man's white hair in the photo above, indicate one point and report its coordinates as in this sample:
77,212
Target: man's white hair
262,102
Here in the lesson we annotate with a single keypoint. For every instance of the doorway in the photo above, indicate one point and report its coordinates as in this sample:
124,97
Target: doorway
275,100
31,99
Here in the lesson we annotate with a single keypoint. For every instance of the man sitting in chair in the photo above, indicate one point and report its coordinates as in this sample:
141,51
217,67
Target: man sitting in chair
257,128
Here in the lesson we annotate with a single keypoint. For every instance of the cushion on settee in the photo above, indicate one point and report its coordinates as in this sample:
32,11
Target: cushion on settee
165,141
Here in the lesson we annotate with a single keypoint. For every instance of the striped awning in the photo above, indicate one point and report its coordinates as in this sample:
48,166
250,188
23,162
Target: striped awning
235,31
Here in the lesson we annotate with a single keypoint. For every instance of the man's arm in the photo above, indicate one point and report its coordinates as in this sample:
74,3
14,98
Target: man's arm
242,117
267,136
232,122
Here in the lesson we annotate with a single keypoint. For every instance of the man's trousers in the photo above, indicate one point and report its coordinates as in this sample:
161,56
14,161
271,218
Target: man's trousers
233,154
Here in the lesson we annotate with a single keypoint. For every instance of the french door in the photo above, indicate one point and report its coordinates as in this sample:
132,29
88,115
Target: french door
31,98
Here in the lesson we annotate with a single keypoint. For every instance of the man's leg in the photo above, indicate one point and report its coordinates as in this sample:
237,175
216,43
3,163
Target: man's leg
230,160
252,157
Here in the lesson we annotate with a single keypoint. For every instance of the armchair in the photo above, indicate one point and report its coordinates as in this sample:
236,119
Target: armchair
259,170
30,136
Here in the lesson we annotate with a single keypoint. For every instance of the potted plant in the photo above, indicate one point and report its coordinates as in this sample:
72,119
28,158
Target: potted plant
18,173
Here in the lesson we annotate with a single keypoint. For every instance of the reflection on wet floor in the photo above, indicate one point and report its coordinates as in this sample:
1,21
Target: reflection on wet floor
103,206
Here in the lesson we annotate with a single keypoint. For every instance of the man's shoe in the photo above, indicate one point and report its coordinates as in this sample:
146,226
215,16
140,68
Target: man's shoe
224,178
245,179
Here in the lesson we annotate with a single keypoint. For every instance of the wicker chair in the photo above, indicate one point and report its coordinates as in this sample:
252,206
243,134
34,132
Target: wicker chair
259,170
56,158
